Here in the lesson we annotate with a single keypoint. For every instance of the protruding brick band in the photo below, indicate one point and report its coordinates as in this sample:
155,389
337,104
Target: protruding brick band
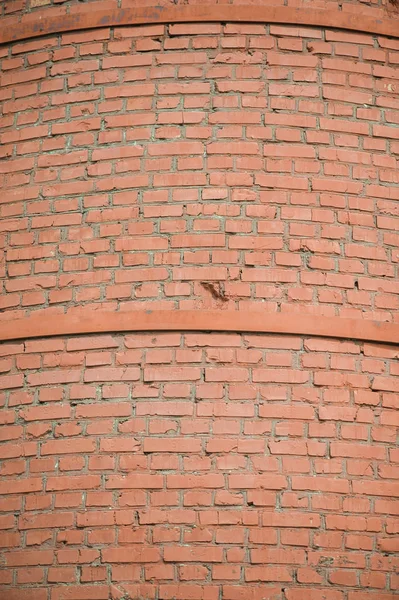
87,321
18,28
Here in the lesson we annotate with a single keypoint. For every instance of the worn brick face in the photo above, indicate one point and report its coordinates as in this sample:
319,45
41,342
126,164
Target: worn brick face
240,479
144,162
199,166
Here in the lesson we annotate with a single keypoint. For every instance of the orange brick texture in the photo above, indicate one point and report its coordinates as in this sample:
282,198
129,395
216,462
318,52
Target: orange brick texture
199,166
199,466
141,164
369,8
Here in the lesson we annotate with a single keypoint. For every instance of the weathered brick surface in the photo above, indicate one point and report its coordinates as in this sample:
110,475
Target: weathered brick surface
188,166
58,8
200,166
268,468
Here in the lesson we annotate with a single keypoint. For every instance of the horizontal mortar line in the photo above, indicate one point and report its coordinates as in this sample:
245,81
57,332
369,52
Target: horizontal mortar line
92,322
17,28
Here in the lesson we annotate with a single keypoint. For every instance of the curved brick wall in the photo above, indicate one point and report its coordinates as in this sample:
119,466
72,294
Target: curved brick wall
145,162
194,166
250,466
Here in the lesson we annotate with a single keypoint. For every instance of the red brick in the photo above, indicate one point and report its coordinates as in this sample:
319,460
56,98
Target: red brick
72,483
180,445
187,554
131,554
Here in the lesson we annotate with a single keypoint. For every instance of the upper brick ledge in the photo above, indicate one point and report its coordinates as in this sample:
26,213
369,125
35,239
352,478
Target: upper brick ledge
369,8
24,19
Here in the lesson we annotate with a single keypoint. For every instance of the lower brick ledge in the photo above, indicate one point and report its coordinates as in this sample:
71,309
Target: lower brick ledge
86,321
